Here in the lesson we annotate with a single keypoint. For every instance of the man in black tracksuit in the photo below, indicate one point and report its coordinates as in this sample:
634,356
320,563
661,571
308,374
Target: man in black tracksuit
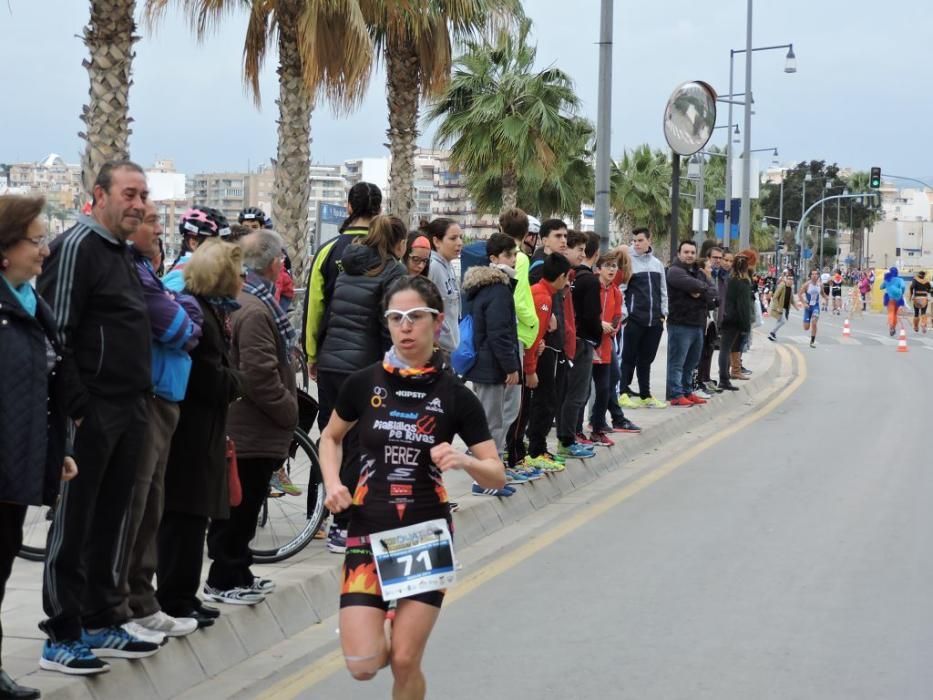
588,313
91,283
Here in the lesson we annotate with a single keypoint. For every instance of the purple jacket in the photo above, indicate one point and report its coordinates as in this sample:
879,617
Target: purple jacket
175,322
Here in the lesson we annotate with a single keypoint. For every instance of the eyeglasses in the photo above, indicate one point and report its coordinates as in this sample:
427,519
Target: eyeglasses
416,260
38,242
715,257
419,314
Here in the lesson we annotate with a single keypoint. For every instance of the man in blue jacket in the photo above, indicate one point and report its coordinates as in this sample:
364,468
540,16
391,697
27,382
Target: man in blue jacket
175,322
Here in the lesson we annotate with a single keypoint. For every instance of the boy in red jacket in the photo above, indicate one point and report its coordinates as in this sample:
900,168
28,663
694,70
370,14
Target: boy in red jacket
544,399
611,297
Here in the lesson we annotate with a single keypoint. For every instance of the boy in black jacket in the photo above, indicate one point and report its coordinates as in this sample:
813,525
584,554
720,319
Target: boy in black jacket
588,313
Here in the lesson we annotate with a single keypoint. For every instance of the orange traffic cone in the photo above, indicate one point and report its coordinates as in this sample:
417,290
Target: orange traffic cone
846,330
902,341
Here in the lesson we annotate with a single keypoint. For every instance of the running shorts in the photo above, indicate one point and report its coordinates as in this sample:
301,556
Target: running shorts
810,313
360,582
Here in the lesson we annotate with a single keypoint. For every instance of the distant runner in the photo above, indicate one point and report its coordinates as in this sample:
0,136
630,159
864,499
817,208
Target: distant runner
810,295
835,291
919,297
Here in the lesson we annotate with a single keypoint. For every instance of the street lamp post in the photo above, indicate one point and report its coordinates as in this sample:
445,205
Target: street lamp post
826,186
603,128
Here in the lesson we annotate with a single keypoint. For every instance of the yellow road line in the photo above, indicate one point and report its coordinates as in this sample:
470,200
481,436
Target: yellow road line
331,663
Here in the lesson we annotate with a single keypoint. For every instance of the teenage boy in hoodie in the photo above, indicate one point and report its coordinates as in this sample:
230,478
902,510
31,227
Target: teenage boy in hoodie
587,311
541,376
497,369
646,302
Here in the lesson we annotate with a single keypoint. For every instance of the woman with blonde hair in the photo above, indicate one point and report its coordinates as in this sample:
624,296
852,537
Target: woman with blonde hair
196,487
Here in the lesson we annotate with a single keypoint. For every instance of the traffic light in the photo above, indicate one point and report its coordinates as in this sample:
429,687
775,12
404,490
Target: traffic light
874,181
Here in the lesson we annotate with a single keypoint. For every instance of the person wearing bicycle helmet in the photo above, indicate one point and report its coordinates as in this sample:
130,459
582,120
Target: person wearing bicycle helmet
254,218
196,226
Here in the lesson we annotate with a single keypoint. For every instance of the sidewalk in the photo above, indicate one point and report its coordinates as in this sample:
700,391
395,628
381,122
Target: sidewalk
308,583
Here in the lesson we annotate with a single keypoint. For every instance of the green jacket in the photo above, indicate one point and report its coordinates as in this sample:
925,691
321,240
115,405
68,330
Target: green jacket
321,282
524,303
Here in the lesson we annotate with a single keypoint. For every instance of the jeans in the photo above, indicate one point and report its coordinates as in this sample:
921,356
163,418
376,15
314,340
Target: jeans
639,348
684,345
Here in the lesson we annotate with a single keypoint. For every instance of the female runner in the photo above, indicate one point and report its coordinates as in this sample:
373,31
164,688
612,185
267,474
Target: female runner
407,409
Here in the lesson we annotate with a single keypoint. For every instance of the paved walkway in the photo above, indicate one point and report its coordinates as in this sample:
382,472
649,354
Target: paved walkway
307,583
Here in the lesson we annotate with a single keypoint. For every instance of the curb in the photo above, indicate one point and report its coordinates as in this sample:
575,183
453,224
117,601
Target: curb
306,597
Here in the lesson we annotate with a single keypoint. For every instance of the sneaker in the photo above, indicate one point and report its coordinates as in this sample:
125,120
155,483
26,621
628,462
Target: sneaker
712,387
626,401
478,490
813,342
531,472
166,625
144,634
336,540
746,370
73,658
626,426
513,476
706,396
576,450
280,482
682,401
453,505
117,643
263,585
560,459
695,400
545,464
652,402
233,596
582,439
601,439
772,337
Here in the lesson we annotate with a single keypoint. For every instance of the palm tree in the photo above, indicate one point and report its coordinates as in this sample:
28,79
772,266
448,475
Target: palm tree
503,118
324,47
414,39
640,191
109,37
566,186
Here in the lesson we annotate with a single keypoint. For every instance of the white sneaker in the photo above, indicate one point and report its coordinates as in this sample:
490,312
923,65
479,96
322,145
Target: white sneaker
166,624
702,394
235,596
143,633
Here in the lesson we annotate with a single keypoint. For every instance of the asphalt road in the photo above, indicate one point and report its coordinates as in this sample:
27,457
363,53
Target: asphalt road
792,560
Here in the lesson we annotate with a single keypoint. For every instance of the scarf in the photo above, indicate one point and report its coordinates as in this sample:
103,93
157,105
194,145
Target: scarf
262,290
24,295
393,364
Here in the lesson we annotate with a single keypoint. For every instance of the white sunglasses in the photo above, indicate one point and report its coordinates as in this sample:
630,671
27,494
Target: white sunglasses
413,316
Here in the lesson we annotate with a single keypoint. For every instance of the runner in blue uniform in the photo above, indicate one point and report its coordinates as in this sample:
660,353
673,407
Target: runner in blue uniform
810,294
408,408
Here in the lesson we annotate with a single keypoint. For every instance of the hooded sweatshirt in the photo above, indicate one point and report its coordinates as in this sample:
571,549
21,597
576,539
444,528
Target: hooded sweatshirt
646,292
444,277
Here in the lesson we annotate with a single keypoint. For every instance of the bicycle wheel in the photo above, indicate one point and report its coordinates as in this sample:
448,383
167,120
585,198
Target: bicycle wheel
290,521
35,532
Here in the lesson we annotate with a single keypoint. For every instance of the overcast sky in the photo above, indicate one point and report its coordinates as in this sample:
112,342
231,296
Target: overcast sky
862,95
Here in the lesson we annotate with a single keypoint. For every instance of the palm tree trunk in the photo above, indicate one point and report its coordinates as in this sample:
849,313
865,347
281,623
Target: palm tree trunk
109,37
293,158
403,93
509,189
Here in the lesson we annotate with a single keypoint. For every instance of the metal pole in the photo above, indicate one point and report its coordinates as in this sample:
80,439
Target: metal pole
745,213
822,229
781,208
603,124
727,229
700,205
838,229
800,231
675,201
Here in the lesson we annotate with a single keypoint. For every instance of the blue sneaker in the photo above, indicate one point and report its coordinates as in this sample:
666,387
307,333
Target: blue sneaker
116,642
502,493
73,658
513,476
576,450
530,472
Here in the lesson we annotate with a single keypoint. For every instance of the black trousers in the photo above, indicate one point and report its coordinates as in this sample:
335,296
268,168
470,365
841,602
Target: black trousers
181,553
12,516
515,436
545,400
639,348
706,357
228,540
328,387
86,543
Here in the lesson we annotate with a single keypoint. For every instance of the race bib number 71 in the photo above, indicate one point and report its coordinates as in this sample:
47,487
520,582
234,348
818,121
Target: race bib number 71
414,559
